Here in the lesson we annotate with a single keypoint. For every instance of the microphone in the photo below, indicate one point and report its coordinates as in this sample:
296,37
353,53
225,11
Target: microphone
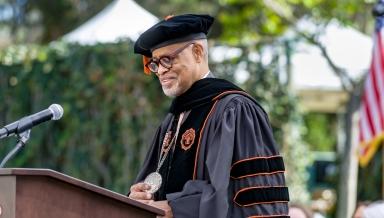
54,112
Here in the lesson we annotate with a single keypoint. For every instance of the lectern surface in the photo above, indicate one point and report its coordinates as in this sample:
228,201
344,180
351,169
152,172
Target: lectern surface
42,193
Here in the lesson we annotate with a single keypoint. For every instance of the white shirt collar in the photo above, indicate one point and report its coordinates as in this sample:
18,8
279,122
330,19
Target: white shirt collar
206,75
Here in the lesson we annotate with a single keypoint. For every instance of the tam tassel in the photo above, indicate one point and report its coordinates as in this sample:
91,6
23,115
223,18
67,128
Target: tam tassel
145,62
169,17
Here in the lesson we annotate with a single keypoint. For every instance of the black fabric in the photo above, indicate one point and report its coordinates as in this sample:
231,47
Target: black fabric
178,167
169,30
179,164
237,129
164,170
257,166
201,92
262,195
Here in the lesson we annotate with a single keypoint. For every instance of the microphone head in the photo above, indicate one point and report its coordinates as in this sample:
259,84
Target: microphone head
57,111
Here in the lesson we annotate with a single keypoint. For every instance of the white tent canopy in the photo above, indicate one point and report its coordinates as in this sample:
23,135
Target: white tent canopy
120,19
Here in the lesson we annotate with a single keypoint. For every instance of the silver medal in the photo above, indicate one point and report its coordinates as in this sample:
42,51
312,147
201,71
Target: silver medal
154,180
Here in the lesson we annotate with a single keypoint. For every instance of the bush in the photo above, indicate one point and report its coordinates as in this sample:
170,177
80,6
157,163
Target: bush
111,109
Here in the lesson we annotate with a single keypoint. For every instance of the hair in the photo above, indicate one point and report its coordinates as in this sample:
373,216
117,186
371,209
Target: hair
204,44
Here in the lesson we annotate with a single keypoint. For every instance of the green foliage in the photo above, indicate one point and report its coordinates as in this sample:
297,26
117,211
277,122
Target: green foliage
298,158
369,188
245,22
111,109
251,22
321,129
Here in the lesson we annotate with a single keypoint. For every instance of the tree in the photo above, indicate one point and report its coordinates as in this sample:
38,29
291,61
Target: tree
108,120
44,20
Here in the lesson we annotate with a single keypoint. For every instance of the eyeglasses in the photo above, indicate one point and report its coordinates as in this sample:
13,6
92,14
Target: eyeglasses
165,60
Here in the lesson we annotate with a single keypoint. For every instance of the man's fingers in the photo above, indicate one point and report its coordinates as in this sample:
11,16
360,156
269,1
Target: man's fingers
140,195
139,192
140,187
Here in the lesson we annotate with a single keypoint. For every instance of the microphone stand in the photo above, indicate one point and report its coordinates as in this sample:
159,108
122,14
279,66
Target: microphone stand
22,140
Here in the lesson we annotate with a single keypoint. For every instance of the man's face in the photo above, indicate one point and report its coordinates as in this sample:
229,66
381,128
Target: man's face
183,73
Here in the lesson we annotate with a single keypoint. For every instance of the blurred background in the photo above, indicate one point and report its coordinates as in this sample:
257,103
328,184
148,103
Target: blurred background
305,61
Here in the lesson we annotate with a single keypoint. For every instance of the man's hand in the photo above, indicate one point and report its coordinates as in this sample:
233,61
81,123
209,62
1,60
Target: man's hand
139,192
164,206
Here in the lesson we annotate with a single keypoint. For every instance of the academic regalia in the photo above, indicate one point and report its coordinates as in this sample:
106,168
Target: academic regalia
233,168
224,162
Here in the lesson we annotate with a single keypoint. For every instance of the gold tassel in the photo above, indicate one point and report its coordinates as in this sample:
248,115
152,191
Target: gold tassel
169,17
145,62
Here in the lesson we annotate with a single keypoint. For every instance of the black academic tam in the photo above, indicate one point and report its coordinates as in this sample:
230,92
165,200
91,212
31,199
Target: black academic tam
173,29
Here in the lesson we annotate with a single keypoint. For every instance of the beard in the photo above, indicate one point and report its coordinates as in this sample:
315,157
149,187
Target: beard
174,90
171,91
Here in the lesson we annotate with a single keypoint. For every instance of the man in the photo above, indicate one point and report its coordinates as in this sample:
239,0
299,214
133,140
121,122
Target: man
214,154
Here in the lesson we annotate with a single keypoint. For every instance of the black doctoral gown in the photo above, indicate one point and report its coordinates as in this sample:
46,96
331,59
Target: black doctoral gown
236,169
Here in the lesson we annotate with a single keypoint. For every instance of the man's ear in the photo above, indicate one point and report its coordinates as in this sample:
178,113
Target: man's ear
198,52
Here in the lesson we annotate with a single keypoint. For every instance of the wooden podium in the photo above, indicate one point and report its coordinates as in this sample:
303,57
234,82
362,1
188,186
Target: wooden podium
41,193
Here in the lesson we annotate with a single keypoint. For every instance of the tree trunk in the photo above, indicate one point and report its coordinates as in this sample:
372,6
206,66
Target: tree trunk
349,161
